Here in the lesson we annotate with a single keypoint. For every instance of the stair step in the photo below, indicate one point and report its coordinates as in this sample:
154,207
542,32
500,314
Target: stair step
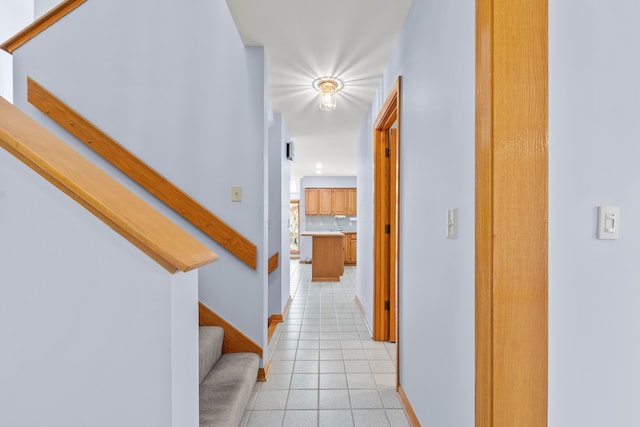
210,339
226,390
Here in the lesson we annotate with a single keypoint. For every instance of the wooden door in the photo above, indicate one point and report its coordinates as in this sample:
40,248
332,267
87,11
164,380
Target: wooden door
339,196
325,201
311,199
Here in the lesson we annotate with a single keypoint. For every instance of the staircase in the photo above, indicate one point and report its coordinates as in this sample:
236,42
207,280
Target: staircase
226,380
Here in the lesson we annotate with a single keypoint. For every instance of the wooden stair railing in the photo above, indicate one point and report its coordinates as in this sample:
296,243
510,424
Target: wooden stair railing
40,24
154,234
142,173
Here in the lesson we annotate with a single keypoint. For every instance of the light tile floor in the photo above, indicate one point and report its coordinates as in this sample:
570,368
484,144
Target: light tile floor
325,369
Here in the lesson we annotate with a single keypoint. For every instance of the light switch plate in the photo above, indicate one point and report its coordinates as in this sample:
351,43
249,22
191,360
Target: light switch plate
452,223
236,193
608,222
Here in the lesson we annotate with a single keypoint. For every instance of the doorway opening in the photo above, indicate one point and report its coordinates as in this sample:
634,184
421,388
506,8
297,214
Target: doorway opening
294,229
386,140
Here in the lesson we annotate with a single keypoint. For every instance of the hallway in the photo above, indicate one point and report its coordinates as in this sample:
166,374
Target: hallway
325,369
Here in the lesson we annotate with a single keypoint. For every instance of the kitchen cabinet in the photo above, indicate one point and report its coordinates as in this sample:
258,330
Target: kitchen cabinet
331,201
325,201
311,201
350,247
339,196
352,202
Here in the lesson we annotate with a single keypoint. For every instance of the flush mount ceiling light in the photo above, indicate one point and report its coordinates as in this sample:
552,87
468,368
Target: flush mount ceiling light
328,89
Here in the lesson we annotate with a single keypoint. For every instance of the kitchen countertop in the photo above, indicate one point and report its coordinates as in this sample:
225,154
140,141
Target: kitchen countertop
322,233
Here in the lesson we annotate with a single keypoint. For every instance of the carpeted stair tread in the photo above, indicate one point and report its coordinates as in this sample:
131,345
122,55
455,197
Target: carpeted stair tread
210,339
226,390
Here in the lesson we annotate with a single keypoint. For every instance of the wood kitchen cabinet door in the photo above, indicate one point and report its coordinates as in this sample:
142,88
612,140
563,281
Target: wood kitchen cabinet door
311,201
353,248
346,243
350,248
352,202
339,196
325,201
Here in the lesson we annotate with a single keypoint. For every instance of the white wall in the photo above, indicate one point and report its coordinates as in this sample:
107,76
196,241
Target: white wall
14,16
285,251
594,297
435,55
88,323
183,93
275,206
44,6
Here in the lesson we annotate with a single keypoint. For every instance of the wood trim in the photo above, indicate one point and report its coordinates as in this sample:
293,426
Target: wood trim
40,24
273,262
263,373
393,237
99,193
484,228
273,322
142,173
408,409
389,113
511,213
234,340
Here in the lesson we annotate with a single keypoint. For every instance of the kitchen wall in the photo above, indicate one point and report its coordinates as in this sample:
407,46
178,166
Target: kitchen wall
435,55
321,222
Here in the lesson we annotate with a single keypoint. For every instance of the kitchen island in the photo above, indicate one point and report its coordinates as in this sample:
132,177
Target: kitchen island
327,258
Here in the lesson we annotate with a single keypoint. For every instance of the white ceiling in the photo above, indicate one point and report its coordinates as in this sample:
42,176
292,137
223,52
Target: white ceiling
305,40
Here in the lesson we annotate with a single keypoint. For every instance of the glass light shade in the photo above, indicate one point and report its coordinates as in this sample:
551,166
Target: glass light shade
327,96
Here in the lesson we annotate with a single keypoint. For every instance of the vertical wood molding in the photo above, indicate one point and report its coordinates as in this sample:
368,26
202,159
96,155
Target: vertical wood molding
389,113
40,24
511,213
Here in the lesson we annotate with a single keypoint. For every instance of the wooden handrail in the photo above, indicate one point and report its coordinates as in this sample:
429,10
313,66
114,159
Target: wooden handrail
40,24
98,192
234,340
273,262
142,173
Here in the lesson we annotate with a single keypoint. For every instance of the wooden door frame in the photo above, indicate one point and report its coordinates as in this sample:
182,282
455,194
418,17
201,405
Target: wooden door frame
389,114
511,272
